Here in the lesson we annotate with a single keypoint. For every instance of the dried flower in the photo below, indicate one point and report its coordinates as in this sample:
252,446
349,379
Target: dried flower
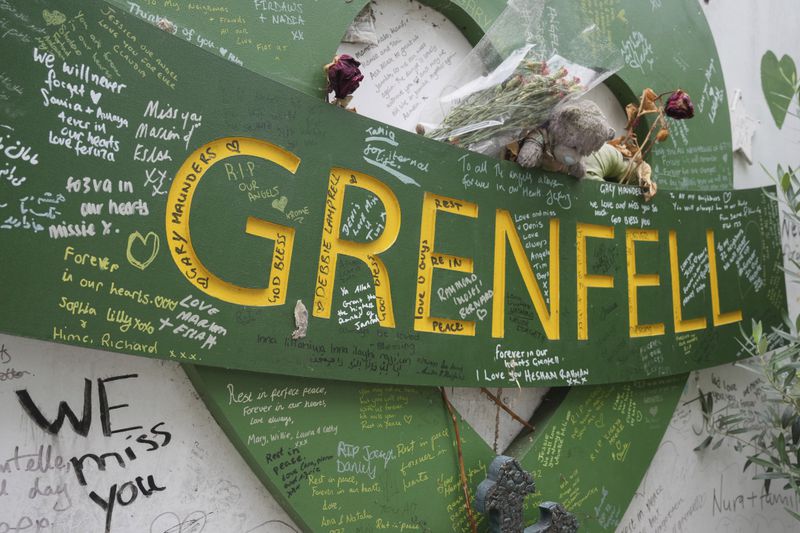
648,100
344,76
632,111
662,135
679,106
649,94
514,82
525,99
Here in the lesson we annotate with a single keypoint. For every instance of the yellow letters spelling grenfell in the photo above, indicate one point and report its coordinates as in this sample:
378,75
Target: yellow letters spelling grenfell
545,297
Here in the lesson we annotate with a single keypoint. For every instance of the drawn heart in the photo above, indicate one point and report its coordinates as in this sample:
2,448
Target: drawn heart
481,313
407,419
726,197
280,203
95,96
195,522
154,244
223,51
778,81
233,146
53,18
654,411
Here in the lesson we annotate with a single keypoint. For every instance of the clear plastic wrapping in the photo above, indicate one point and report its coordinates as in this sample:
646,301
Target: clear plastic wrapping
536,55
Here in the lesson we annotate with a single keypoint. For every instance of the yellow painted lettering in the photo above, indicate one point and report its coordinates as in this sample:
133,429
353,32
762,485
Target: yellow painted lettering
719,318
430,259
636,280
333,245
681,325
586,280
179,202
505,230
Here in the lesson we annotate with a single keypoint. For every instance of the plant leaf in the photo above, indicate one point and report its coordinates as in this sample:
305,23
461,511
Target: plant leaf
703,445
789,378
758,330
762,345
786,417
762,462
772,475
780,443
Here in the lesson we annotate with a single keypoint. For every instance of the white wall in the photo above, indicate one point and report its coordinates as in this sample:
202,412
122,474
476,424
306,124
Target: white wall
207,486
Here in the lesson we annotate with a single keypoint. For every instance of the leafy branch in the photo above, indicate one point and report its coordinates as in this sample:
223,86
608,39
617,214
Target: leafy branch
769,434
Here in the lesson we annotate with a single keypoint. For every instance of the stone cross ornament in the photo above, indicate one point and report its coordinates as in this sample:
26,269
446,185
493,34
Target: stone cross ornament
502,494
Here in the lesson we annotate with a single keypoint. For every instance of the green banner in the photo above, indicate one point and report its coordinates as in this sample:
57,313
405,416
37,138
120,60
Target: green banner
160,201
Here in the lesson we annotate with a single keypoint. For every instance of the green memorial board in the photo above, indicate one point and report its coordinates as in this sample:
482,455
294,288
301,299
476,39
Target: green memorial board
597,422
418,262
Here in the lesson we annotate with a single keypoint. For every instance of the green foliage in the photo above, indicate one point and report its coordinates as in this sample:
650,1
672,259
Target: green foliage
769,434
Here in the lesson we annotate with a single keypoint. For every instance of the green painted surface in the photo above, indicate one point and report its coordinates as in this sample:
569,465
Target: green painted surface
779,83
358,457
665,50
588,416
148,306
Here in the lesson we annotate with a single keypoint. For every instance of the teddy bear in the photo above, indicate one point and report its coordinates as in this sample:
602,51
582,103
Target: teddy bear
574,140
574,130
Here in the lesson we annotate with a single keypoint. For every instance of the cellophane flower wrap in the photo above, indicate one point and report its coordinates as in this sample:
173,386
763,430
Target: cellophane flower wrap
536,55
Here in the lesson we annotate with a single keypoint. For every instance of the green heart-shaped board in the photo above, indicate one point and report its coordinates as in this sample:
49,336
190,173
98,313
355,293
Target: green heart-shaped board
576,456
578,450
779,83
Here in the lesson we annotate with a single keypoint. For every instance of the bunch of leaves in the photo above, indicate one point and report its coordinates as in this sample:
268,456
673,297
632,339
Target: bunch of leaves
770,433
520,103
788,184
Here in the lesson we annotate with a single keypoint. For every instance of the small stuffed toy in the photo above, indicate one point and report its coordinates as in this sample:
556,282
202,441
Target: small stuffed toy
575,141
573,131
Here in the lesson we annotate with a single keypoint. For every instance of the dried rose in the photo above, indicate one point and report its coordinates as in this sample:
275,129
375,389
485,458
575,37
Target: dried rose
679,106
344,76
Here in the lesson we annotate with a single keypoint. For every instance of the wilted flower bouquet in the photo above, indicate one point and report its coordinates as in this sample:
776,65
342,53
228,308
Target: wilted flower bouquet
521,102
536,55
623,159
678,106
